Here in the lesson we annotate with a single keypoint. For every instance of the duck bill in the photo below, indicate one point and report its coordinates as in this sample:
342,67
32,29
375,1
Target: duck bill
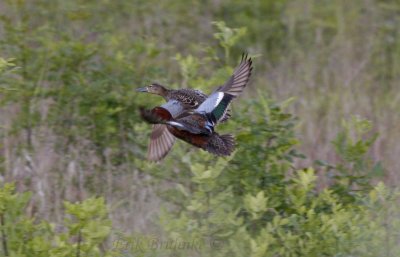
142,89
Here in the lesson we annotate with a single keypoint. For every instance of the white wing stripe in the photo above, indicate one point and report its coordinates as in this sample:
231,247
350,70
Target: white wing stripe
219,98
175,124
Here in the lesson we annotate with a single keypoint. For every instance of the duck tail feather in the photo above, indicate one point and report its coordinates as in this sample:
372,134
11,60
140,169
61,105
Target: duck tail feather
221,145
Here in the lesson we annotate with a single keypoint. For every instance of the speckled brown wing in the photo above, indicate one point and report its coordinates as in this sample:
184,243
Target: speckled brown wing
161,142
189,98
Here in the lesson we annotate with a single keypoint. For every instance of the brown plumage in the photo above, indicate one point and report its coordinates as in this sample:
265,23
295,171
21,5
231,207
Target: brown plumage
161,141
221,145
189,98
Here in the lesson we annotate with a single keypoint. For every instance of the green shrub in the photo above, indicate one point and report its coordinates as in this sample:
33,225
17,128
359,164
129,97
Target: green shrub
84,230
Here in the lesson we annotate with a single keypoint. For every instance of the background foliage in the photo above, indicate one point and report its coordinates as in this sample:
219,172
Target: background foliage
73,176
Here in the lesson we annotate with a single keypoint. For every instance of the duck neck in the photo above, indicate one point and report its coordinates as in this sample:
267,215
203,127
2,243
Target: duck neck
165,92
162,113
162,91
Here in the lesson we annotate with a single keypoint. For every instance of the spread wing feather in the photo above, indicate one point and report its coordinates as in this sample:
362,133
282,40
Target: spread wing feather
238,81
161,142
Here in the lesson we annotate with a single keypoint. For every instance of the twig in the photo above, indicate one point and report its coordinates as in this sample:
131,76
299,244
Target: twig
3,235
78,247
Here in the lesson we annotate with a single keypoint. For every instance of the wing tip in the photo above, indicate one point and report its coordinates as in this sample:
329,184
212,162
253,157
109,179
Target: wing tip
246,58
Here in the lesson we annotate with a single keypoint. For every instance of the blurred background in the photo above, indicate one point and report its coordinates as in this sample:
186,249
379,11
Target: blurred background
70,130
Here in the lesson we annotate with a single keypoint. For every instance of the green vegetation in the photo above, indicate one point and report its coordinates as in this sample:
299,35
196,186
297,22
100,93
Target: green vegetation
86,227
313,175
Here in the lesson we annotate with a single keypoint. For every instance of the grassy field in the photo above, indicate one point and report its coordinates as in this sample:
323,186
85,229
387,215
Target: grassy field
69,125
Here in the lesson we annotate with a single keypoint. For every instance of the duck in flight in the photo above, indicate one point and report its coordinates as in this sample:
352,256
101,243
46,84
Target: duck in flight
187,121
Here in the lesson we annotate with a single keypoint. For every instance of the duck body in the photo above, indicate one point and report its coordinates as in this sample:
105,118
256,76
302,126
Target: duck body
189,98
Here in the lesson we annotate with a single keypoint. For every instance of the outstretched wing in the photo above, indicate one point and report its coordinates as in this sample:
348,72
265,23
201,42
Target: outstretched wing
161,142
238,81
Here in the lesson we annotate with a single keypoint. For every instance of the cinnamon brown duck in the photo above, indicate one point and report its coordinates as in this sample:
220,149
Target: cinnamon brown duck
161,140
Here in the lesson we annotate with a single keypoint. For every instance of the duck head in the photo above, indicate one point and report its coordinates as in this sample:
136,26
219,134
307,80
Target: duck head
154,88
157,115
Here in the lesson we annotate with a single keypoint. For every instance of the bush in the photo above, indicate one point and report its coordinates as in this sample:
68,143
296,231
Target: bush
82,234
